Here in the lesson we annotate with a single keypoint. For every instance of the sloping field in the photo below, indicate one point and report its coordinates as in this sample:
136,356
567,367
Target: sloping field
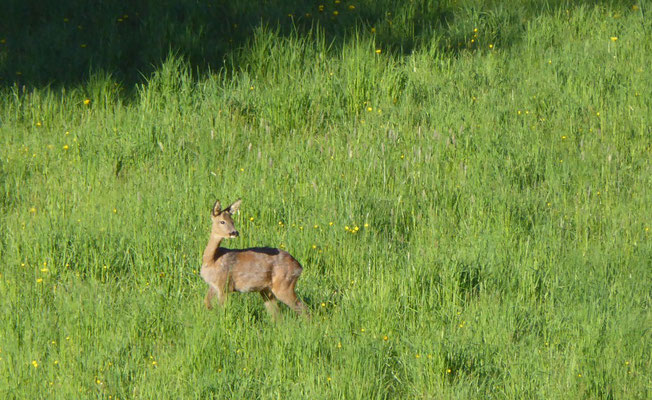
467,185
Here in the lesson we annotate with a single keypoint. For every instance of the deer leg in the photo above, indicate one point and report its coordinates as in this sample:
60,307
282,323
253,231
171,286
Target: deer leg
219,285
286,294
270,303
209,297
221,297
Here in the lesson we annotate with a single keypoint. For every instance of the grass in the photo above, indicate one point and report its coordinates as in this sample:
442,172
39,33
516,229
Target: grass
471,208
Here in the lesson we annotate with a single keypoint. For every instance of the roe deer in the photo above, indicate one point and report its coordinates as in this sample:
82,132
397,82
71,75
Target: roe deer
271,272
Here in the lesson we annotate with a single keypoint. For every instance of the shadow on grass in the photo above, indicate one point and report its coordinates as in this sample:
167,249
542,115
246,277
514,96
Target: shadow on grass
62,43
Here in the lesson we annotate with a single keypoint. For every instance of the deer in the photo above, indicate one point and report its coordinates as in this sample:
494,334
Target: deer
271,272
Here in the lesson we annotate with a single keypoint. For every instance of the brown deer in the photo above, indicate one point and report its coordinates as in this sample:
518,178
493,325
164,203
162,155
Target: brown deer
271,272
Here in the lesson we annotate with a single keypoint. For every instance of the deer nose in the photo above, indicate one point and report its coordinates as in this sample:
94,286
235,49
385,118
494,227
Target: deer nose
235,234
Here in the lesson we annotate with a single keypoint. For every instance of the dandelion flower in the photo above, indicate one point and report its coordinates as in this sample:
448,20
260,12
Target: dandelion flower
378,51
87,102
65,147
614,38
35,364
336,13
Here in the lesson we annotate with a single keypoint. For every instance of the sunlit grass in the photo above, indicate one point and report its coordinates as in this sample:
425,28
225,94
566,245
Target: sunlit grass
472,216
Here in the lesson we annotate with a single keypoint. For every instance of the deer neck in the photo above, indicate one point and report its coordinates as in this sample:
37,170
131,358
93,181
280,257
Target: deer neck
210,253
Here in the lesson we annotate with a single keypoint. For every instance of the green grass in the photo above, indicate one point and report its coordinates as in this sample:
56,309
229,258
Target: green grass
473,221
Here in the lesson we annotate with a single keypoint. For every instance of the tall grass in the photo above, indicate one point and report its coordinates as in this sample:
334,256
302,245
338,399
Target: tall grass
471,209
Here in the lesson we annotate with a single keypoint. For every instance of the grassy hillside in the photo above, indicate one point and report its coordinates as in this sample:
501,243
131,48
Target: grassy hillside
466,183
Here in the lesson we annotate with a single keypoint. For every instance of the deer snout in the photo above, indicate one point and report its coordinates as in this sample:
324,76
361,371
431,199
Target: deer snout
234,234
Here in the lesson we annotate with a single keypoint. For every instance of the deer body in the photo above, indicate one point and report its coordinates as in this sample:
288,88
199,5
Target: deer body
271,272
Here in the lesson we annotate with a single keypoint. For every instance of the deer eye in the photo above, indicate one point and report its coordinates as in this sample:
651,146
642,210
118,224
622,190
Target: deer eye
222,222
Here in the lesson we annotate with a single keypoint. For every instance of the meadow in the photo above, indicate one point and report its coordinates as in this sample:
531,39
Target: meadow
466,184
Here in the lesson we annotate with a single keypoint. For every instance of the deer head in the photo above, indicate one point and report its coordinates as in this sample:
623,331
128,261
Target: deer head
223,226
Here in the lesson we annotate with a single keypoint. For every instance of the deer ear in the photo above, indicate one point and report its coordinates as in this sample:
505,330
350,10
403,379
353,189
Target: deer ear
233,208
217,208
